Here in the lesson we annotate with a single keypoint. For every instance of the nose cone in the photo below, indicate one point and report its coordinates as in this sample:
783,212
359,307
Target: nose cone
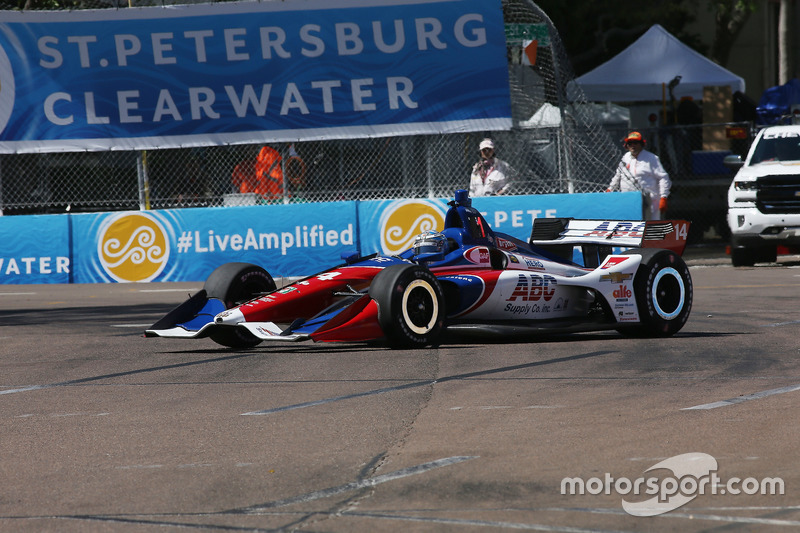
230,317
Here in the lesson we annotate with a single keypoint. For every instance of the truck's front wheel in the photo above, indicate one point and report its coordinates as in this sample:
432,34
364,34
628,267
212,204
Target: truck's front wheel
748,256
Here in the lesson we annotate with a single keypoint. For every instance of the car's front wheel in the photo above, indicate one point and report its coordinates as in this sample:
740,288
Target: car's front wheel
411,307
235,284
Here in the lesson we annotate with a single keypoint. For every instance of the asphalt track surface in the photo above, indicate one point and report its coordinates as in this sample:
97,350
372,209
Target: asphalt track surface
105,430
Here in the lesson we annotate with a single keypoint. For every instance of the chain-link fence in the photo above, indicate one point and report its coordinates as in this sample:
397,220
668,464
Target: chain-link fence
556,146
387,167
693,156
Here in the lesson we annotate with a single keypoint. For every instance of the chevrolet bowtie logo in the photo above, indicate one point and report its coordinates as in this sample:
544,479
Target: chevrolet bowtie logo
616,277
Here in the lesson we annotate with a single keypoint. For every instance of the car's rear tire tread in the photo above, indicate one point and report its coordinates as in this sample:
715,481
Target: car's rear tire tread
663,291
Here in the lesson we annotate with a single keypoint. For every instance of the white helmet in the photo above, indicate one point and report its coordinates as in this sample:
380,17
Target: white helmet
430,242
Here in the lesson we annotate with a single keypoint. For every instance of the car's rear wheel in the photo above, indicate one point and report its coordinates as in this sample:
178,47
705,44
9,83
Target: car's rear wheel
235,284
411,305
663,291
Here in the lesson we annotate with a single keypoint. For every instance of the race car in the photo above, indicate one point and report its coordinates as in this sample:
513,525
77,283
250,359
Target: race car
572,275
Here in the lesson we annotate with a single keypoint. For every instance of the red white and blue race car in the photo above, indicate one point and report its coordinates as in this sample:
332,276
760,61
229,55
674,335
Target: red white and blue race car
465,279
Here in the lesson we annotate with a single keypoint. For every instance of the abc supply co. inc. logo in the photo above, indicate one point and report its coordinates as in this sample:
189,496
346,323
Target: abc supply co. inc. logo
133,247
693,474
404,220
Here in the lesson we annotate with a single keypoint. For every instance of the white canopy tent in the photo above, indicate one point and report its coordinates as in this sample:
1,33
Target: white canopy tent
642,72
549,116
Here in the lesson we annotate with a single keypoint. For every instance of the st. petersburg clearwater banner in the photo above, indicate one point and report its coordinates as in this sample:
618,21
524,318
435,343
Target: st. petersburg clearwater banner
211,74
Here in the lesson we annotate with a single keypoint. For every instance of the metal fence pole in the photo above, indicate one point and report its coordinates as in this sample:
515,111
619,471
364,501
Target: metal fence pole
563,138
144,181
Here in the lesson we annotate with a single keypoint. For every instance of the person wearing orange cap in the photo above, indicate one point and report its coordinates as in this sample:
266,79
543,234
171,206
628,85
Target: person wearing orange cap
641,170
490,175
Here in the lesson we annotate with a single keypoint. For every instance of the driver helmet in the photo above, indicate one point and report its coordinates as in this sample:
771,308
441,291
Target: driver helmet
429,242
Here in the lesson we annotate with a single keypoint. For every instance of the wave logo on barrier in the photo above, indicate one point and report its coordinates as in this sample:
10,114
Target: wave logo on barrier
7,89
133,247
404,220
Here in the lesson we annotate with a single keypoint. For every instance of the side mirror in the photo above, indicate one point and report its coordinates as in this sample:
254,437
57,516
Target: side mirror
733,161
350,256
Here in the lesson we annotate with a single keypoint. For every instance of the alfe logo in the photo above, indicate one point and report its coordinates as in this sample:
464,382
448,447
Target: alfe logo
622,292
404,220
133,247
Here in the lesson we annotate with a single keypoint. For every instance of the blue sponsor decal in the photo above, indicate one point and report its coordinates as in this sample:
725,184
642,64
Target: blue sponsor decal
470,289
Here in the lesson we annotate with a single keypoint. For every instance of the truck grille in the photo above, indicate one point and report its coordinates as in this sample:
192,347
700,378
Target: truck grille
778,194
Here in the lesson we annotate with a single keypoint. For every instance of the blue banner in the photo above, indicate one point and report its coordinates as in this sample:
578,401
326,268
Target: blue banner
188,244
36,249
250,72
288,240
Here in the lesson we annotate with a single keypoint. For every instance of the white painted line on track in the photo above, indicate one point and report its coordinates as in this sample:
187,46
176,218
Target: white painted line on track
131,325
25,389
102,377
170,290
694,517
490,407
62,415
745,398
479,523
17,293
363,483
777,324
695,514
755,508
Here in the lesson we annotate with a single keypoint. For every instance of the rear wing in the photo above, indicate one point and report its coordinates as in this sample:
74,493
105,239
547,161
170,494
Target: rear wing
666,234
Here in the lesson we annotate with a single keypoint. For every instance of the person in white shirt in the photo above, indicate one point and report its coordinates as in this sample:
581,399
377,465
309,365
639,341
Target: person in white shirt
641,170
490,175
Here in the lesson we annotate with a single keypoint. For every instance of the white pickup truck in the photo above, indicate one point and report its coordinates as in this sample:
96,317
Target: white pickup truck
764,197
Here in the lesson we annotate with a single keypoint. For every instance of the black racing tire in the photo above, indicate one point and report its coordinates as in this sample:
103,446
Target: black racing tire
741,257
235,284
411,305
664,293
